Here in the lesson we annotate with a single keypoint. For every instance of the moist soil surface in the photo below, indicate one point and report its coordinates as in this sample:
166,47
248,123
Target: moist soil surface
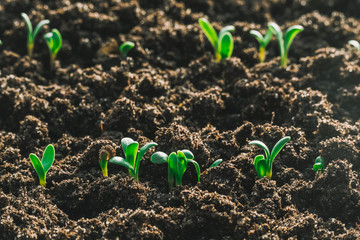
171,90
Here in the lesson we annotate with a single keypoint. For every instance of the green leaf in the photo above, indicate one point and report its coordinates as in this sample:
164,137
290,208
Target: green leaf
259,37
267,38
209,31
226,45
48,158
261,144
188,154
140,155
275,29
131,152
122,162
159,158
290,34
229,28
54,41
319,164
277,148
216,163
355,44
260,166
125,142
182,163
39,26
172,161
125,48
37,165
29,26
197,168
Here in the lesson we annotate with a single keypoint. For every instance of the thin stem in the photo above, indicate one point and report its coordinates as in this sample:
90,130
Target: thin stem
262,54
43,182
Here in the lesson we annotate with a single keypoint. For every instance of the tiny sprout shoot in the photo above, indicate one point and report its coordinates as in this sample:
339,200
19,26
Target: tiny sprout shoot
32,34
355,44
43,166
263,42
263,165
0,42
223,43
319,164
216,163
177,165
54,42
284,40
125,48
132,157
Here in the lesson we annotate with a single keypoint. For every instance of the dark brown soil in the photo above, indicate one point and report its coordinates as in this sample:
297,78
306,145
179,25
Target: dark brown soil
170,90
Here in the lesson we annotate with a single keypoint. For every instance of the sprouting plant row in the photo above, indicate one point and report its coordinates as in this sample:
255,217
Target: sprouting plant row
177,161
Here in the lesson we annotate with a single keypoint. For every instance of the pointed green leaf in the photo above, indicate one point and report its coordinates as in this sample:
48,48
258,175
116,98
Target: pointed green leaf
229,28
125,48
159,158
29,26
216,163
172,161
260,165
355,44
131,152
259,37
261,144
54,41
277,148
188,154
267,37
182,163
275,29
126,142
290,35
209,31
37,165
122,162
48,157
226,45
144,149
197,168
39,26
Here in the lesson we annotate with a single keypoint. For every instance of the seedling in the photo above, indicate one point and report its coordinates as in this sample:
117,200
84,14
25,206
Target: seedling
125,48
132,157
319,164
286,40
0,42
54,42
43,166
216,163
263,42
177,165
263,165
355,44
32,34
223,43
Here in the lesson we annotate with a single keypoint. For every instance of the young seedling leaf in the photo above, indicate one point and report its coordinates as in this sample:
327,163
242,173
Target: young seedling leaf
267,37
209,31
290,34
131,152
355,44
319,164
229,28
122,162
48,157
188,154
278,146
125,48
37,165
197,168
261,144
226,45
144,149
125,142
54,42
159,158
216,163
181,165
260,165
259,37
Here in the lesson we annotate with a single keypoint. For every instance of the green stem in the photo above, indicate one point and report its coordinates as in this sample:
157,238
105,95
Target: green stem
30,49
43,182
262,54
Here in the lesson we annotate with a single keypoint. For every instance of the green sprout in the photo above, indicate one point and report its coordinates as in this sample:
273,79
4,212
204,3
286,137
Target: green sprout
0,42
54,42
263,165
263,42
355,44
125,48
132,157
319,164
223,43
43,166
286,40
32,34
216,163
177,165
